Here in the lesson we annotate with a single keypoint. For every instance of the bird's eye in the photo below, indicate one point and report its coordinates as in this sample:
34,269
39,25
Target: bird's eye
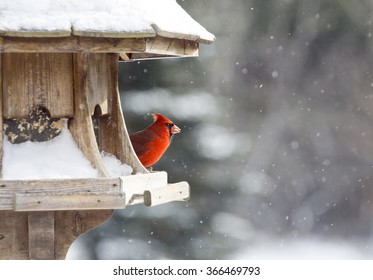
169,125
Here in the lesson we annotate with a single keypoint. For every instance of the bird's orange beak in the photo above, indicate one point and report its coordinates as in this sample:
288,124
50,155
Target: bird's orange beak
175,129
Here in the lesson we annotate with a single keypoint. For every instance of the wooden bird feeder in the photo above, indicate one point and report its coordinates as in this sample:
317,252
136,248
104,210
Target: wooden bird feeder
60,64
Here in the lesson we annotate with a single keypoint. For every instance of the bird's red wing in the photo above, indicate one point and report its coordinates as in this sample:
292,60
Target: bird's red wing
139,142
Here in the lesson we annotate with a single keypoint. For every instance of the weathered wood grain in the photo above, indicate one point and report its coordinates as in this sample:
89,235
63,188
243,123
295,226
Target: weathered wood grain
75,194
61,194
81,126
1,117
37,34
161,47
87,201
41,235
109,185
99,34
8,188
100,82
72,44
129,48
40,79
169,46
13,235
69,225
76,32
113,135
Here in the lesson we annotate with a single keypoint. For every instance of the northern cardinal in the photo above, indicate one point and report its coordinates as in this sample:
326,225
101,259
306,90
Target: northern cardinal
151,143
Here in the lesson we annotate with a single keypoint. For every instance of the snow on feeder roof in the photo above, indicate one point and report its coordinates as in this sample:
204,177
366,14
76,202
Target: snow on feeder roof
85,23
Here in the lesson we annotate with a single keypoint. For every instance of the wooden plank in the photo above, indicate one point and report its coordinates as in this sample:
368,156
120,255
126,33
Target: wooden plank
170,46
112,133
61,186
92,33
6,201
72,44
171,192
8,188
40,79
41,235
83,33
1,116
54,202
81,125
132,186
161,47
145,56
33,34
135,48
13,235
99,77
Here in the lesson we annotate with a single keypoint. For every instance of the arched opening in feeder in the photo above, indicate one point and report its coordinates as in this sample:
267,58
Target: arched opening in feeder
97,113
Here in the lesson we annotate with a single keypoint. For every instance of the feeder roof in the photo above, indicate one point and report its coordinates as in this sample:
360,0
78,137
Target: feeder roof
98,18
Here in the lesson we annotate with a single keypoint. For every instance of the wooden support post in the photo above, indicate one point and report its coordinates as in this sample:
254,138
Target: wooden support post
113,134
1,116
81,125
13,235
41,235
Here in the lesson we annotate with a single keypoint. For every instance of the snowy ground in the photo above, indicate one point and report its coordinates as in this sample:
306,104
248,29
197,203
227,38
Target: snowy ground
312,248
306,249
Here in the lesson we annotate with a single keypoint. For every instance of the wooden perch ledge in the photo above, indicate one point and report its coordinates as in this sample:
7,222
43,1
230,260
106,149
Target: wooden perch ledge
90,194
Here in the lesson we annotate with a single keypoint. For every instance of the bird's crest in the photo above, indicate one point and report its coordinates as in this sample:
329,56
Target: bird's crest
160,118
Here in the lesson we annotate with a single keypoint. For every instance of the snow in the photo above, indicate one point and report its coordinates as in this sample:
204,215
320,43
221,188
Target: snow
59,158
308,248
165,17
114,166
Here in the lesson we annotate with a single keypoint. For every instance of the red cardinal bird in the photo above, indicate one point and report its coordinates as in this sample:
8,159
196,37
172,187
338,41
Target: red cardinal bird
151,143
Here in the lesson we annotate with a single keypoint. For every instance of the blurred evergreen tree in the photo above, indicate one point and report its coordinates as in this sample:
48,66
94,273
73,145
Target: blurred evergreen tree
292,81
